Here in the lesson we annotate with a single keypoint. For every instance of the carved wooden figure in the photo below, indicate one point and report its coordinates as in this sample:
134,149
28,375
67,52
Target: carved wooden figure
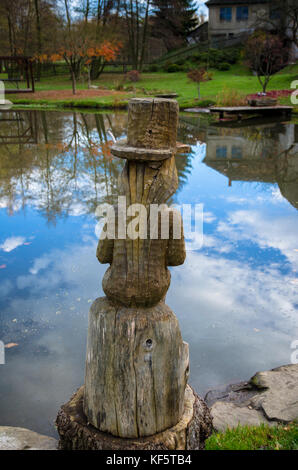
137,364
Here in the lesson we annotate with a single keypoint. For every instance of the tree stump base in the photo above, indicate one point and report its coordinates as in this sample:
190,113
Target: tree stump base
189,434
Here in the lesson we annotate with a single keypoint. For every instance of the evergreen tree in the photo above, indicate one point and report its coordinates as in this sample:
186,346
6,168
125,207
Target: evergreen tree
173,20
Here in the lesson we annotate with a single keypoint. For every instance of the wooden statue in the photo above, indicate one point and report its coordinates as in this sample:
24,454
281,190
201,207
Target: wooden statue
137,364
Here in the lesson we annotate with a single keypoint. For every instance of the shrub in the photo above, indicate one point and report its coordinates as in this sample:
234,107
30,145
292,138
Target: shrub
232,55
153,68
119,86
173,68
206,103
133,76
228,97
223,66
195,58
198,76
204,57
187,67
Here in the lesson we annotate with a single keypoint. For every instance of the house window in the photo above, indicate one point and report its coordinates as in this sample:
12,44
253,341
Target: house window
236,152
274,13
226,14
221,152
242,14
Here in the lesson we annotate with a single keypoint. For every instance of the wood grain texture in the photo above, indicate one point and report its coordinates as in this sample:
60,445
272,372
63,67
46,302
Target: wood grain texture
137,365
137,368
138,275
152,123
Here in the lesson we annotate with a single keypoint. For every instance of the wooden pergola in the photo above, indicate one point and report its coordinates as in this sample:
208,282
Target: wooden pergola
24,66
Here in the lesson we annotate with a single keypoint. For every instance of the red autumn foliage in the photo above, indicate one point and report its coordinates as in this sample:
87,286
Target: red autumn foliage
133,76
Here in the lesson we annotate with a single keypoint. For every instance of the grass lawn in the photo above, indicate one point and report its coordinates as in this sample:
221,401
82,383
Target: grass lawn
256,438
237,78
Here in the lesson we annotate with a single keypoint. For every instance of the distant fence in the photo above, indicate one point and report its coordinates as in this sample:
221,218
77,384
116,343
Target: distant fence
60,69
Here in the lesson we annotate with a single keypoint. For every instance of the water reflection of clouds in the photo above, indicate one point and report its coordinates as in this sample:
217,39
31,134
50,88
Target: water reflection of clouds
12,243
236,307
212,295
237,318
259,227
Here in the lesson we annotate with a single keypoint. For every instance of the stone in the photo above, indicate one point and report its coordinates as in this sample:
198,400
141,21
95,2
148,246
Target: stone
190,433
12,438
137,368
278,393
270,397
227,415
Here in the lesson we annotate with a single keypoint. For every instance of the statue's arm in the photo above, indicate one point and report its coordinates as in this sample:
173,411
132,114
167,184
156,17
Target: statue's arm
176,247
105,250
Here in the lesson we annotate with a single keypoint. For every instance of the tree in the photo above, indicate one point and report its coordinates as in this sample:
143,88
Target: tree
174,20
78,51
199,76
79,44
266,55
136,13
282,18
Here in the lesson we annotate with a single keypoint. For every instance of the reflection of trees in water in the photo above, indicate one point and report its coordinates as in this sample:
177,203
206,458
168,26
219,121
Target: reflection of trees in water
192,129
71,170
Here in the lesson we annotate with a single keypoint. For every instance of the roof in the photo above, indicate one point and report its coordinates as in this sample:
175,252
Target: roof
212,3
201,26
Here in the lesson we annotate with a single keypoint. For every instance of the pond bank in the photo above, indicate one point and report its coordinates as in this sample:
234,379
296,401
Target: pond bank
82,104
268,398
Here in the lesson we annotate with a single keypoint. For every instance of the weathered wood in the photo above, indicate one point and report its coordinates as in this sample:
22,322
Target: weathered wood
137,364
137,368
152,123
138,274
264,110
190,433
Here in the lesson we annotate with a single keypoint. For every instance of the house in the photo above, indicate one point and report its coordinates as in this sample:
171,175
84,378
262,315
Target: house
232,18
272,157
199,34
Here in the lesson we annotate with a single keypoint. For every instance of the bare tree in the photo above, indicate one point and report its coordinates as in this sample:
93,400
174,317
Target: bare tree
282,18
136,14
265,55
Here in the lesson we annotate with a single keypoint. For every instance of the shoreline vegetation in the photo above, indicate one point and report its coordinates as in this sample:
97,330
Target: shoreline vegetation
113,91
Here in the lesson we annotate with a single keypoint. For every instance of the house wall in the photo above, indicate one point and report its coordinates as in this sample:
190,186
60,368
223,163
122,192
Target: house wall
225,29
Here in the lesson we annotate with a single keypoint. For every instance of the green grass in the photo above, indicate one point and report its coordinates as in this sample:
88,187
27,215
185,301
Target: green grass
256,438
237,78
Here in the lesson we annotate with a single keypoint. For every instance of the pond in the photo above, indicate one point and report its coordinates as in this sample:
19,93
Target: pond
235,298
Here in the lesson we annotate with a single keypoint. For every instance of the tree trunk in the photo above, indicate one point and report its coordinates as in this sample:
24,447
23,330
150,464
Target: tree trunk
38,35
199,90
89,77
73,82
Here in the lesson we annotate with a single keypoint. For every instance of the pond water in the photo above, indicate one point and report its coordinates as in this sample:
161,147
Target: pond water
235,298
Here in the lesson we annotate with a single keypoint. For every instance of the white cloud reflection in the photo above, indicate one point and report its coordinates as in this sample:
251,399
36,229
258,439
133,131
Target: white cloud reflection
12,243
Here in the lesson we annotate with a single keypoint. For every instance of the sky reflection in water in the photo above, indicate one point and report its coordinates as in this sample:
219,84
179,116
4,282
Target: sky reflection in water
236,298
